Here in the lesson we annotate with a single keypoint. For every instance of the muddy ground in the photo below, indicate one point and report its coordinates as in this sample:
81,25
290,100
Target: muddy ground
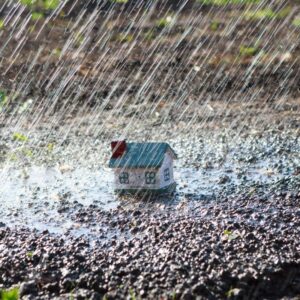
209,57
232,228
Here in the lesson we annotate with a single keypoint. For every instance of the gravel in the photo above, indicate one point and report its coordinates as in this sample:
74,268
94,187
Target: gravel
231,248
231,231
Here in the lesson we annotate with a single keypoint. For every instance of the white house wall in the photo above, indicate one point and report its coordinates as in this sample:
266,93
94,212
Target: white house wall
136,179
167,163
137,176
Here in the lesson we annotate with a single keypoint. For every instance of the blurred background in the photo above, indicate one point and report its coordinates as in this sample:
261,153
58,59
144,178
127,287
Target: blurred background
207,62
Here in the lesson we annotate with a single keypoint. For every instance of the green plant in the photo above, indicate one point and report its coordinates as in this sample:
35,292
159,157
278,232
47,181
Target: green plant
296,22
12,294
248,51
29,254
1,24
3,98
35,16
226,2
283,13
173,295
214,25
51,4
50,147
132,294
79,38
19,137
56,51
27,152
28,2
230,235
267,13
232,292
41,4
125,38
164,22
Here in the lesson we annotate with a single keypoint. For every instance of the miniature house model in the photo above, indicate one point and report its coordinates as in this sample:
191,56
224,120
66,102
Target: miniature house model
142,167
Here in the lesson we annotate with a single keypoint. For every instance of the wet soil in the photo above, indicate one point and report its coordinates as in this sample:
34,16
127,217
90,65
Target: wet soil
232,228
199,61
234,248
230,231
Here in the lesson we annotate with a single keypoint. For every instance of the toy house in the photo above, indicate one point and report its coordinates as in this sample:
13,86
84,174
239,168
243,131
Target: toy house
142,167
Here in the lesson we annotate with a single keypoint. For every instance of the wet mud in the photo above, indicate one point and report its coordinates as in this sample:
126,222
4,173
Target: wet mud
233,248
231,230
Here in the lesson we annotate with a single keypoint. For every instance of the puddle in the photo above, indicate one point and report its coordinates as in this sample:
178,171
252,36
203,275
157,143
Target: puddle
39,184
36,196
212,182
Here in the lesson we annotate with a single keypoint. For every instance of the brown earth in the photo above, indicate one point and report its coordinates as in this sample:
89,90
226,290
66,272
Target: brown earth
195,71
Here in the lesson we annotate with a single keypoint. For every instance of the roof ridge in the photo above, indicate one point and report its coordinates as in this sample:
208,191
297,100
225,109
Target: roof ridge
147,143
142,155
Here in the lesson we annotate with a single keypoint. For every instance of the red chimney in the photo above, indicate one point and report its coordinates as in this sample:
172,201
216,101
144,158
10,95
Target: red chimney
118,148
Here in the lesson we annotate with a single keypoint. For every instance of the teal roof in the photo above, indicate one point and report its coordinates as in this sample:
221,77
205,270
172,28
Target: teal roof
141,155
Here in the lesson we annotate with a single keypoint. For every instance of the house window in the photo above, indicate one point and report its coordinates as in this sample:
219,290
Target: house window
124,178
167,174
150,177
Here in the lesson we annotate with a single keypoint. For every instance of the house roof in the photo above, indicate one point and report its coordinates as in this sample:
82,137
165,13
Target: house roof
142,155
